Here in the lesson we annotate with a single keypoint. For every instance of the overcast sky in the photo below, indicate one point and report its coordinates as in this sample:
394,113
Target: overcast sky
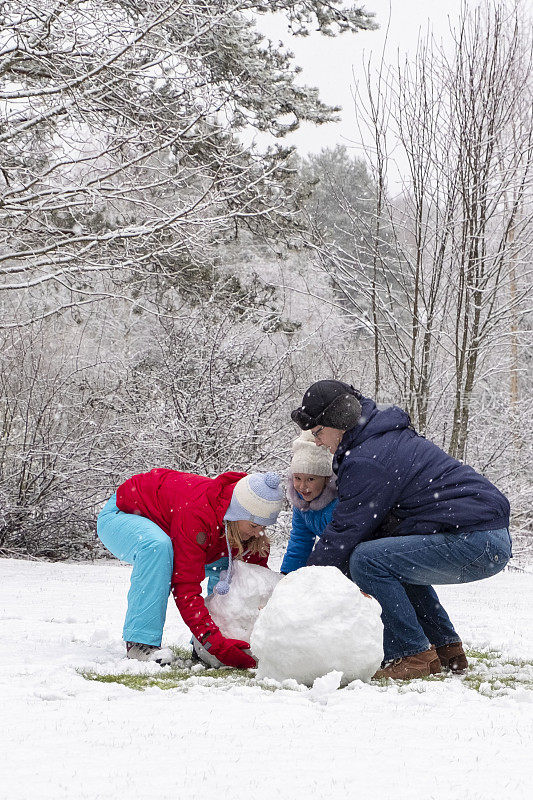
334,64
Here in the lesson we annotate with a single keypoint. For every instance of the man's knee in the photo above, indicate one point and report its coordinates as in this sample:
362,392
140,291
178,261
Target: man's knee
359,561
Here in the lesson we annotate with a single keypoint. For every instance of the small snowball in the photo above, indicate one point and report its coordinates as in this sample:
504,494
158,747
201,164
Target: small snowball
326,685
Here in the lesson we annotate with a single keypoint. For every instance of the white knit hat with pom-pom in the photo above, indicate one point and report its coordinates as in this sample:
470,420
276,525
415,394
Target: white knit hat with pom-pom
309,458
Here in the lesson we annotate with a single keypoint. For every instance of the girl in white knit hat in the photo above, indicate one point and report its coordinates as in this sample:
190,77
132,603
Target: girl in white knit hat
312,492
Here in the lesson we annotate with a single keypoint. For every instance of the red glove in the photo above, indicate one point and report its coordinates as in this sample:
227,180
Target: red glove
229,651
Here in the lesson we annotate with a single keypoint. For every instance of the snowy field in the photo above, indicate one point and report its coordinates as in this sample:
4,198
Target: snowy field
64,736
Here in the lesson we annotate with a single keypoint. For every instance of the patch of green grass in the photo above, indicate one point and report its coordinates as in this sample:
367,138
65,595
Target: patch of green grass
182,653
483,655
183,670
489,673
518,662
490,684
172,678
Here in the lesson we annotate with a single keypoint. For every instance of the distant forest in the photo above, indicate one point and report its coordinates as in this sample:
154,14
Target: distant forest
168,291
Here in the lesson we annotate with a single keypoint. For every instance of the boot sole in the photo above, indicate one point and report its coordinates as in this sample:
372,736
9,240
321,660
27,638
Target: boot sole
434,668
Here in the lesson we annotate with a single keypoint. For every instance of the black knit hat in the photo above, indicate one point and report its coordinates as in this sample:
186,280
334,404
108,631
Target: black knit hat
331,403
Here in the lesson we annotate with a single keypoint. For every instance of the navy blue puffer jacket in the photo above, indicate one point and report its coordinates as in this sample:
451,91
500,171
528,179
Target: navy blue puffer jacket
393,482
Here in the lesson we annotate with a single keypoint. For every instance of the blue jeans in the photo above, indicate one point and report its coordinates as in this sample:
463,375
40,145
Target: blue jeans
398,572
140,542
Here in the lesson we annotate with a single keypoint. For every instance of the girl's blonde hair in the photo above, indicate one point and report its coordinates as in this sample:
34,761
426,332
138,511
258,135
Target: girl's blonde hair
259,544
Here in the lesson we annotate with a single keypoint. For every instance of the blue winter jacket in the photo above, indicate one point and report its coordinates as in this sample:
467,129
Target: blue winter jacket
309,520
393,482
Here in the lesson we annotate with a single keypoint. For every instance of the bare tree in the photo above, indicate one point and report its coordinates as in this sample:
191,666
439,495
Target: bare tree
55,429
440,306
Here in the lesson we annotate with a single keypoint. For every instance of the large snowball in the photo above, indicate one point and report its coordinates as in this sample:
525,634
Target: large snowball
317,621
236,612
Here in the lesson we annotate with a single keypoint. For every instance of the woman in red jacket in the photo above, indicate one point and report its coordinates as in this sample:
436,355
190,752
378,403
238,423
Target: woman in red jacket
169,525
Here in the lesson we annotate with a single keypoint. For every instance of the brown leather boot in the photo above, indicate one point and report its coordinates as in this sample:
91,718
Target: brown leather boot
452,657
418,666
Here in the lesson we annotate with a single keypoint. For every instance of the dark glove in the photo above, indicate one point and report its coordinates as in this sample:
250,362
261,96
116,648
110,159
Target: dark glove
229,651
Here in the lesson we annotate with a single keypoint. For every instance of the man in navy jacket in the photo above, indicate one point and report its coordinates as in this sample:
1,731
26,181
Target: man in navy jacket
409,516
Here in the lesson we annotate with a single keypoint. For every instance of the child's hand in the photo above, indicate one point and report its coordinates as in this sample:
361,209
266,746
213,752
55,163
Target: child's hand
230,651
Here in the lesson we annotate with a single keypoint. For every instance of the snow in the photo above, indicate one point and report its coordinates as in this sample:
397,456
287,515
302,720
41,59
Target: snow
317,621
66,737
236,612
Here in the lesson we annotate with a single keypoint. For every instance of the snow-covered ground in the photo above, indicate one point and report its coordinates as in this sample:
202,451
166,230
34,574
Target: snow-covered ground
63,736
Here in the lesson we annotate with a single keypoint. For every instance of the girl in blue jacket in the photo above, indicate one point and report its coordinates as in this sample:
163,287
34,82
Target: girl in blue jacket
312,492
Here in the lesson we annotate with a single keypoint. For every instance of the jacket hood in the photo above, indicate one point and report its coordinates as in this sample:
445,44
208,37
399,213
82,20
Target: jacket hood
374,421
328,494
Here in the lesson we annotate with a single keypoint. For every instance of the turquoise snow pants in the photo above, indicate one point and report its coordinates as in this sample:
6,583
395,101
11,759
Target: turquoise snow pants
140,542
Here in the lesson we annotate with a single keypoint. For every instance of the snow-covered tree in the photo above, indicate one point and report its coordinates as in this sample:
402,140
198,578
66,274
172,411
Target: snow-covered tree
341,205
119,149
127,339
460,235
445,320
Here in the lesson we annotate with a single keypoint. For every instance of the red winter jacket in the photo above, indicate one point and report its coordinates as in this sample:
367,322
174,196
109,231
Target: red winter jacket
190,509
